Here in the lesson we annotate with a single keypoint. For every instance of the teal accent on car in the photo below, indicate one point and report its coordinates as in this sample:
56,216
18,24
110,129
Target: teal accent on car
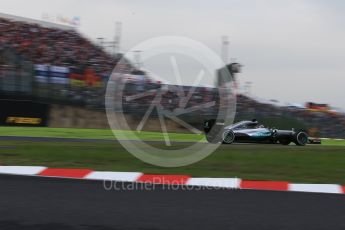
261,134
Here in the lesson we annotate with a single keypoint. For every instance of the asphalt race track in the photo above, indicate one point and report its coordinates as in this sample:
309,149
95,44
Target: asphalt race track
50,203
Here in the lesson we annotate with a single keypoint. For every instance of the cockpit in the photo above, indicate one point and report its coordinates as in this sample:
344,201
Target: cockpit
246,125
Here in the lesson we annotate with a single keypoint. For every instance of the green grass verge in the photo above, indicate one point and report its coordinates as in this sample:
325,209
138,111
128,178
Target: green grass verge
93,133
107,134
309,164
332,142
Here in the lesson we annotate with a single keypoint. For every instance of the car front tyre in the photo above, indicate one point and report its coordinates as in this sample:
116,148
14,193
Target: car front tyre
301,138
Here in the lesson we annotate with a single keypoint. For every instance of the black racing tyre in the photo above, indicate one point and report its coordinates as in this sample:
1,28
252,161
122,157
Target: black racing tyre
301,138
228,137
213,131
284,141
213,139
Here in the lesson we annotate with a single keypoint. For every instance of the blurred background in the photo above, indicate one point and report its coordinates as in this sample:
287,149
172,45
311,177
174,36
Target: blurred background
53,71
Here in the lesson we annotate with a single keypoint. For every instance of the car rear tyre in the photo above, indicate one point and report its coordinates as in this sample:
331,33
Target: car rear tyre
213,139
213,130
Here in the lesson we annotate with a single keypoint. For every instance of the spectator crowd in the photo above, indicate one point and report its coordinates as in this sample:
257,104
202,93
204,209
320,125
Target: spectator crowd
318,123
53,46
67,48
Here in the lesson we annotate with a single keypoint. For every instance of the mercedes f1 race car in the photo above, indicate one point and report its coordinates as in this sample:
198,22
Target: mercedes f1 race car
253,132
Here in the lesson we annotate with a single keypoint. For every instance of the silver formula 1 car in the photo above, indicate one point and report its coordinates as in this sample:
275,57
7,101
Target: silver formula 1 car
252,132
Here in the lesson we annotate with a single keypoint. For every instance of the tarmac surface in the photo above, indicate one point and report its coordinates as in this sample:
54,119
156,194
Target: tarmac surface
35,203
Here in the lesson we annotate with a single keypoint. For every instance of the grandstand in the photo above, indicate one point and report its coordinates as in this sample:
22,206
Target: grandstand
37,22
51,72
50,61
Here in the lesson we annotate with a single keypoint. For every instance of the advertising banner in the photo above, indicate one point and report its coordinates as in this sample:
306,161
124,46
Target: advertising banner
51,74
41,73
59,75
77,80
88,79
23,113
